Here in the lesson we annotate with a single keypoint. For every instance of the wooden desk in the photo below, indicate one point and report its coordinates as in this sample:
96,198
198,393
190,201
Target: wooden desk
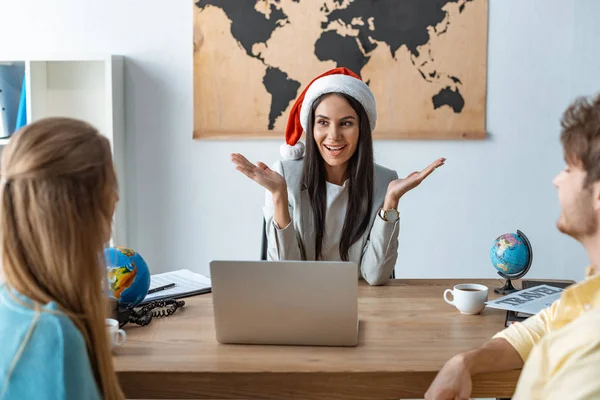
407,332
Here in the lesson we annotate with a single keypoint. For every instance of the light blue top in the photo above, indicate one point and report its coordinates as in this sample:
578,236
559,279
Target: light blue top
54,364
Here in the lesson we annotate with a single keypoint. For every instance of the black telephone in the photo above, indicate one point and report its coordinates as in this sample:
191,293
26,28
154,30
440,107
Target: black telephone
144,315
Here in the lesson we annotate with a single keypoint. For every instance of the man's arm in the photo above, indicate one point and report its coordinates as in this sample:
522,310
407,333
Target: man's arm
506,351
454,379
495,355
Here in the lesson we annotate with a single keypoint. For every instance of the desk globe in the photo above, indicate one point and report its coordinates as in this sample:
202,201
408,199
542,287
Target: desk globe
511,255
128,276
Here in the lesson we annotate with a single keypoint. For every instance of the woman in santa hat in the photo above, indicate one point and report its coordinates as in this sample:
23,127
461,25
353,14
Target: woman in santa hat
333,203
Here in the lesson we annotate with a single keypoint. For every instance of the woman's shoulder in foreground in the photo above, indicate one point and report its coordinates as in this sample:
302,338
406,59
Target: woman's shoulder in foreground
44,368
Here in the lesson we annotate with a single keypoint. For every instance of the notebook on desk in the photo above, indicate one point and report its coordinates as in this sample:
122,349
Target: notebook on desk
187,283
514,316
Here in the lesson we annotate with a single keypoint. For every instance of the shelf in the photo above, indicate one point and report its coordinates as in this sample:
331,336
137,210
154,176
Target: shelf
75,89
82,86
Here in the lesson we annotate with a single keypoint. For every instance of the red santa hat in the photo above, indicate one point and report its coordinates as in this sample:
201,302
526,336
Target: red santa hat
337,80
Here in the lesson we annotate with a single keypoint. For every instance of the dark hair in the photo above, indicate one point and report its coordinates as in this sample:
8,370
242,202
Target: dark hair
580,136
360,175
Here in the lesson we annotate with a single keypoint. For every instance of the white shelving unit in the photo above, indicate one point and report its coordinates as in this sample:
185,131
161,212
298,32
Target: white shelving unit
84,87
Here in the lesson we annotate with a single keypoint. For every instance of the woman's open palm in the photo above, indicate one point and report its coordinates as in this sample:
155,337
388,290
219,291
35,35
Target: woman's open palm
260,173
399,187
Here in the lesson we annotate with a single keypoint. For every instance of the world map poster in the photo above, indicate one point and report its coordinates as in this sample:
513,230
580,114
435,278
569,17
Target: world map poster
424,60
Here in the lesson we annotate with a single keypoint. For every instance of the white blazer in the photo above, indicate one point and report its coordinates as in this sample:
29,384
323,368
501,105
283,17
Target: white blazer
375,252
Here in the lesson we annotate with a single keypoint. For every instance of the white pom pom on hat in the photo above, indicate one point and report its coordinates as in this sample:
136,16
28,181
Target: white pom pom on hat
294,152
337,80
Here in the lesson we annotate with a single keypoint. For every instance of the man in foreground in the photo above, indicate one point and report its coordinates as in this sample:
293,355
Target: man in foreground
559,348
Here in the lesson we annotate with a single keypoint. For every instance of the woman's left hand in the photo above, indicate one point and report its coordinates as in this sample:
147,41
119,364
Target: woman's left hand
399,187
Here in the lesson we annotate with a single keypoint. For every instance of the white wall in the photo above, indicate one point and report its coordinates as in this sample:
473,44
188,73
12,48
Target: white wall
187,204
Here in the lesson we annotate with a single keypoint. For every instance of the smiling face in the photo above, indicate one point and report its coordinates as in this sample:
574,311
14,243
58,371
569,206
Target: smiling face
578,217
579,183
336,131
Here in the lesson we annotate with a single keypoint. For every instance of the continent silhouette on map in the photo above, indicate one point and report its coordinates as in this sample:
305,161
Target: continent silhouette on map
249,27
331,46
449,97
387,22
398,25
282,89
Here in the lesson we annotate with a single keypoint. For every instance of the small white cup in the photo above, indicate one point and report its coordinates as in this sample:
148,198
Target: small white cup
468,298
116,336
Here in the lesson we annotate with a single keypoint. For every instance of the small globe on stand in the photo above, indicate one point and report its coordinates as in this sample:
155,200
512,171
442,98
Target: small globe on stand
128,279
511,255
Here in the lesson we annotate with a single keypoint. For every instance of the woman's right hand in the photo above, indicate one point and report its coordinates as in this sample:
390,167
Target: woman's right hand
261,174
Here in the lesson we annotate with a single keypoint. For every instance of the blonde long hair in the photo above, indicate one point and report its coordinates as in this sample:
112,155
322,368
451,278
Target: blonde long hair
58,189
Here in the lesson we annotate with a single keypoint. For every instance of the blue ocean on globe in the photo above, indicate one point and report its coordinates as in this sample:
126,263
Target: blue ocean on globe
510,254
128,276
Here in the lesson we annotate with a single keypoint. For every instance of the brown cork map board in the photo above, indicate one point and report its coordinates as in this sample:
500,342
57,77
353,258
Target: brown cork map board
425,61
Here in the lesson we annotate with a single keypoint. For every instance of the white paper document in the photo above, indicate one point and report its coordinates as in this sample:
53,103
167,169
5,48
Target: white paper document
186,282
529,301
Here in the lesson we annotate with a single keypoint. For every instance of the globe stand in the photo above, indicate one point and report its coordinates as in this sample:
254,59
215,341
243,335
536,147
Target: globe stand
508,287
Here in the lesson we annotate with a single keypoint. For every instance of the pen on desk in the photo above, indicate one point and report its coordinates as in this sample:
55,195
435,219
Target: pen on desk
158,289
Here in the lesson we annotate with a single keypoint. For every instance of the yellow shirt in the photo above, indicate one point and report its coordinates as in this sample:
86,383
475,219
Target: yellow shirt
561,347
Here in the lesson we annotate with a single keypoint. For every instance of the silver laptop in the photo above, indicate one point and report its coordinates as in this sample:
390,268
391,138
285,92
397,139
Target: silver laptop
285,302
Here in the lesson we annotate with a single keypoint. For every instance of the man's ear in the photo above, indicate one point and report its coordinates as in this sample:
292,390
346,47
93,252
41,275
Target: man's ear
596,195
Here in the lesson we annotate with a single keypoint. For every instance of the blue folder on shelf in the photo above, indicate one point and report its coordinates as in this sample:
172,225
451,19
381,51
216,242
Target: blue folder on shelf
22,111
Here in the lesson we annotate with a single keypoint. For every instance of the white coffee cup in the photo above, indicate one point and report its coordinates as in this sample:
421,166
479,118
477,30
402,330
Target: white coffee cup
116,336
468,298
